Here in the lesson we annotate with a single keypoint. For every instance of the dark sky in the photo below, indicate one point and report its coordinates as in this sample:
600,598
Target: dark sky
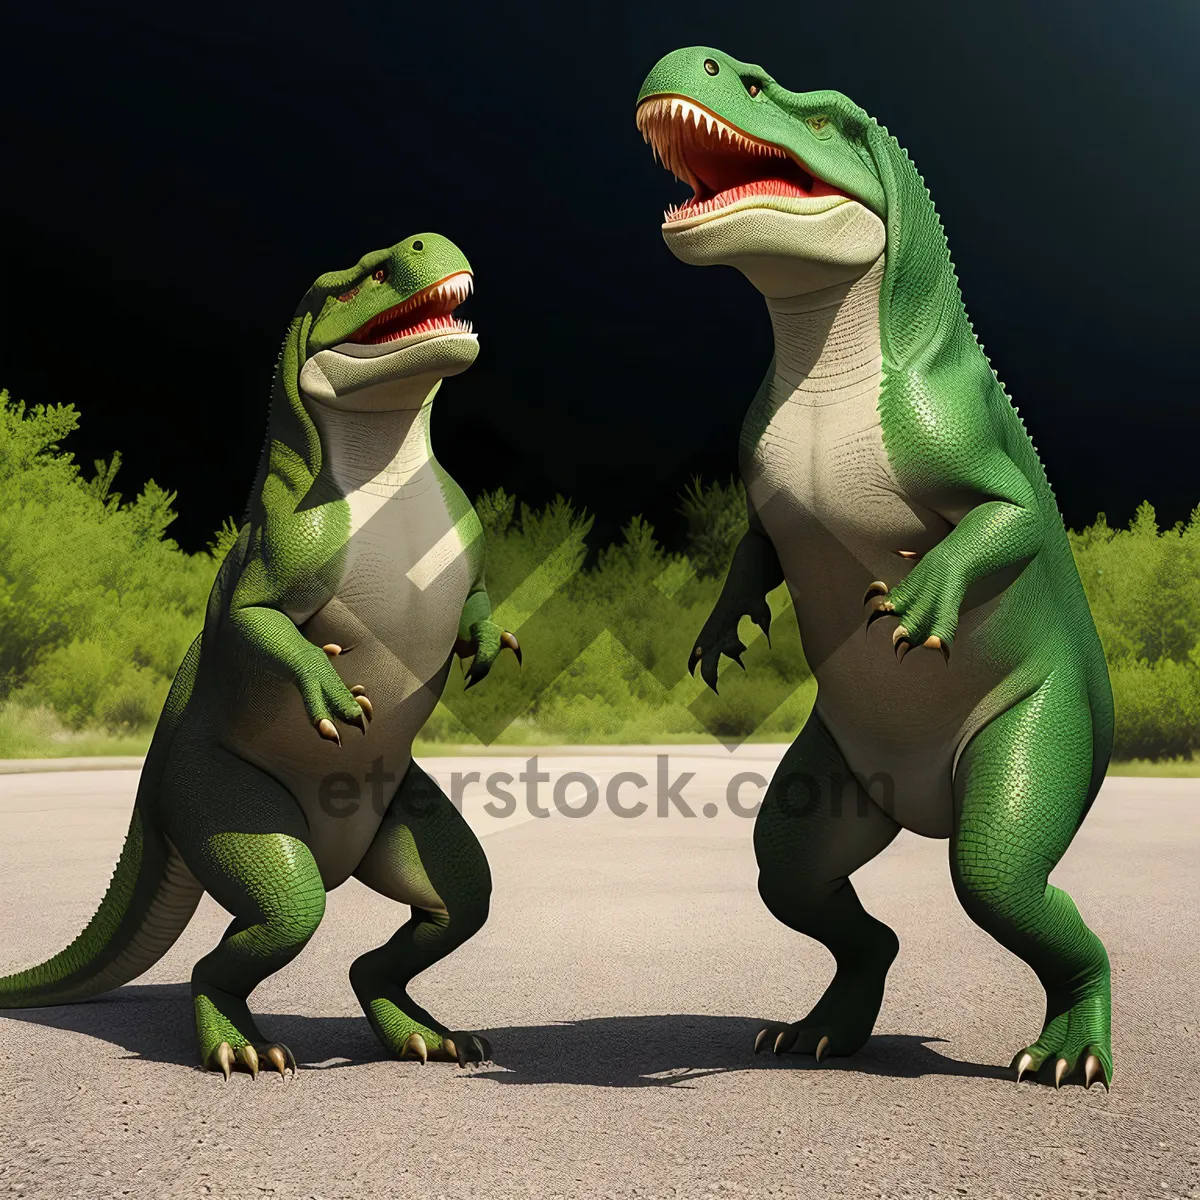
172,178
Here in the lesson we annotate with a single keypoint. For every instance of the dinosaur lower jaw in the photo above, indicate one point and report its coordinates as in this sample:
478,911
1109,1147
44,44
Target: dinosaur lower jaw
767,193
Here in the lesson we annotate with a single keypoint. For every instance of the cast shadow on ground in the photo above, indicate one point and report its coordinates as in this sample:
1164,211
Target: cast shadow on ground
153,1022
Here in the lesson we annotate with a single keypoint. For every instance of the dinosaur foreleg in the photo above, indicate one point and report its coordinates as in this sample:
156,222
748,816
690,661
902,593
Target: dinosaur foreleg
1022,786
815,828
426,856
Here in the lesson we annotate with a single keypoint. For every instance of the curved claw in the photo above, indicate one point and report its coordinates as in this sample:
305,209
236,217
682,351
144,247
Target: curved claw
1061,1067
247,1056
221,1059
877,588
1023,1063
763,1034
328,730
933,642
365,705
280,1058
785,1041
332,649
900,642
822,1048
1093,1069
416,1046
509,642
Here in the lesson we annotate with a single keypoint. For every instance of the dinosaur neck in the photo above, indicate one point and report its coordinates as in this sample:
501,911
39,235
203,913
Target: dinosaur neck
827,346
375,450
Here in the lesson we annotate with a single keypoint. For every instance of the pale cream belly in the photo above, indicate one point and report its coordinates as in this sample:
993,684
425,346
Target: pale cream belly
823,488
407,576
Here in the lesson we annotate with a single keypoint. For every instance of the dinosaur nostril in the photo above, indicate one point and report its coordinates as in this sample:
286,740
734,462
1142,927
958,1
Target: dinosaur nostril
710,66
418,245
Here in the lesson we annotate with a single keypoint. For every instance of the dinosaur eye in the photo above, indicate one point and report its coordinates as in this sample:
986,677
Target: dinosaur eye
380,275
710,66
418,245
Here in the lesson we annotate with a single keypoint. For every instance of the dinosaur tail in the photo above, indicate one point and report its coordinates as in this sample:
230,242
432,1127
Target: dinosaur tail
148,904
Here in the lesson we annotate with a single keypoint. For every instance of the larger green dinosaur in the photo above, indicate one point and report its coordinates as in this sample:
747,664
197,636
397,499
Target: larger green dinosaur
883,457
356,577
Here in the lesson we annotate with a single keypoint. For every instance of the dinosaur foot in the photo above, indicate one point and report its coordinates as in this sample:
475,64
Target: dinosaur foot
458,1047
251,1058
1086,1067
797,1038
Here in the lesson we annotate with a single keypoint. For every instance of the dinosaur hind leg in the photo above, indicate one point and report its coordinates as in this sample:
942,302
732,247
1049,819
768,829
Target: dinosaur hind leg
1022,786
244,839
815,828
426,856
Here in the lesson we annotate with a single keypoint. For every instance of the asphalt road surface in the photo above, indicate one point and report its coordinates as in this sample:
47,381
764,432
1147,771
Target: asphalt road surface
626,968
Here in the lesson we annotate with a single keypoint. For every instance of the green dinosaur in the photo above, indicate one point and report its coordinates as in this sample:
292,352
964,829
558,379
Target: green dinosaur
356,577
882,457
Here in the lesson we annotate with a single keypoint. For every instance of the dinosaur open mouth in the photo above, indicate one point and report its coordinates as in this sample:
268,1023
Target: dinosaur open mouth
721,164
431,310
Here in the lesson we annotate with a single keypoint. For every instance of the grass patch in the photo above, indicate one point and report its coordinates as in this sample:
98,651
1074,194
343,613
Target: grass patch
38,733
1167,768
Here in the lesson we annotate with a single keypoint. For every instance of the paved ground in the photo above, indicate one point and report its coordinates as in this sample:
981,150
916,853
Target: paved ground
625,971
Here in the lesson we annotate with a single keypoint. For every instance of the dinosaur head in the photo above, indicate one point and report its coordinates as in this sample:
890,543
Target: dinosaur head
785,185
389,318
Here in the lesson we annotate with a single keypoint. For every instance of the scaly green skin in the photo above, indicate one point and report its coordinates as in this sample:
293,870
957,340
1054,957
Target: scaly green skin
956,447
231,798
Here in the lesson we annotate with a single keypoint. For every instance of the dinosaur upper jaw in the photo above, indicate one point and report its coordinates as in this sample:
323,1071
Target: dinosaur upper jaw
726,168
427,314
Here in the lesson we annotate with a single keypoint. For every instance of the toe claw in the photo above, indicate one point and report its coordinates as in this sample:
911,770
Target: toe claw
328,730
332,649
763,1034
365,705
785,1041
877,588
278,1061
222,1059
248,1057
822,1048
358,690
1023,1063
1093,1069
509,641
1061,1067
454,1050
416,1046
477,1045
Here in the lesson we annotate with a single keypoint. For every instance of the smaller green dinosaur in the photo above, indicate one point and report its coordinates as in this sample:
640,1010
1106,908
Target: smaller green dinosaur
357,576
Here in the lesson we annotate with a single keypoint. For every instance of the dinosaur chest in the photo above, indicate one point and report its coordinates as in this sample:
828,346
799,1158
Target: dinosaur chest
405,577
819,478
407,571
